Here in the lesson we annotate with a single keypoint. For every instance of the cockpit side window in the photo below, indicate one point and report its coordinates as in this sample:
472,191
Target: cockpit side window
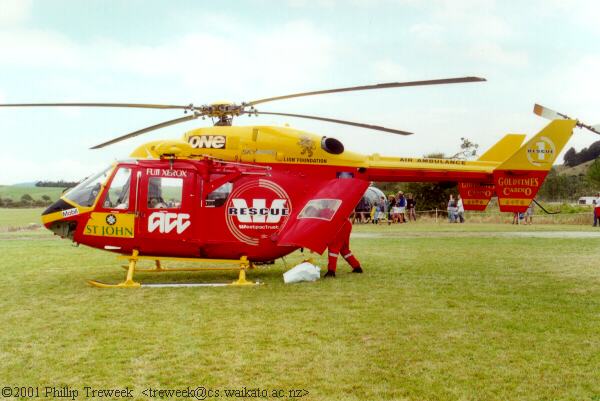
165,193
218,197
117,196
86,192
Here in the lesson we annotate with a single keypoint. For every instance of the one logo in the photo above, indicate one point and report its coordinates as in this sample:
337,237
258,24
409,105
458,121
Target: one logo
111,219
208,141
257,209
166,222
307,145
541,152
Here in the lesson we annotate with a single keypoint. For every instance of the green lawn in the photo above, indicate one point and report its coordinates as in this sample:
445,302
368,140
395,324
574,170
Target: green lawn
19,217
15,192
443,312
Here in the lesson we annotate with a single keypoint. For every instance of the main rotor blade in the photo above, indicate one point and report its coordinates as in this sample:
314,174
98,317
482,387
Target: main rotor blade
133,105
331,120
148,129
376,86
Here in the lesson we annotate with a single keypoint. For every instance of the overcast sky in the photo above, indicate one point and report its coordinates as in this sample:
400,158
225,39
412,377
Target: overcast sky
545,51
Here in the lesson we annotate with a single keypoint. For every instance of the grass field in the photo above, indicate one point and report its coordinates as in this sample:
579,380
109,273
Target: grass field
15,192
19,217
443,312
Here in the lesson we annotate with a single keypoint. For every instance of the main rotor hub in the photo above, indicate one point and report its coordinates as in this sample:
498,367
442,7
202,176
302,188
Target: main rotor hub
219,110
223,111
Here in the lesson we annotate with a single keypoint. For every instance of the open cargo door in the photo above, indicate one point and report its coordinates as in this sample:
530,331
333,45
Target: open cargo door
320,217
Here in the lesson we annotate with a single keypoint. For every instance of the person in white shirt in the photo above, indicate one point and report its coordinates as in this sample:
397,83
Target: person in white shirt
529,214
460,210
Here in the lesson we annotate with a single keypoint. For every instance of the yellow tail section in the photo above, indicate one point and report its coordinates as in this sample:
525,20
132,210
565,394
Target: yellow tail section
540,152
518,179
503,149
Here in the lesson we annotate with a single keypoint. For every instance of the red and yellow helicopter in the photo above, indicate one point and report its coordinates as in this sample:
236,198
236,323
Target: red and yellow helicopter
252,194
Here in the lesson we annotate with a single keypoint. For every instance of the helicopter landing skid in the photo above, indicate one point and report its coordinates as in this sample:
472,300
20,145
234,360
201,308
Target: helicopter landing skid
243,265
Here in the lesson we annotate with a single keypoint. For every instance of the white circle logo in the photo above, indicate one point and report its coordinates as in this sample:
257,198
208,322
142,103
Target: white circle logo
257,209
541,152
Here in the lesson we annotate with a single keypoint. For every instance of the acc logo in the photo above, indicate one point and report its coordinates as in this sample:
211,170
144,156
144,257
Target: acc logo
166,222
208,141
256,210
541,152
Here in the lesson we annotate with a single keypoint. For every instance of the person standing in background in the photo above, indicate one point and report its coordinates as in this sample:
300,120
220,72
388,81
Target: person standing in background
460,209
392,209
597,209
529,214
401,203
451,209
411,204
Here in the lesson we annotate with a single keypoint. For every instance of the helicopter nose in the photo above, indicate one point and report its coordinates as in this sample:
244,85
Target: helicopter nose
55,219
57,206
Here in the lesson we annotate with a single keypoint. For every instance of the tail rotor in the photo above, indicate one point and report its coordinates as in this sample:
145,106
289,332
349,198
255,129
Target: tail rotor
550,114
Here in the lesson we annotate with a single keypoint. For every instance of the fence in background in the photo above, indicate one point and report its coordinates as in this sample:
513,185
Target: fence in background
440,216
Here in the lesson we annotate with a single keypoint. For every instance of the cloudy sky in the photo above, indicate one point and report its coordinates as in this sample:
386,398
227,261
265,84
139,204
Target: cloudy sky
545,51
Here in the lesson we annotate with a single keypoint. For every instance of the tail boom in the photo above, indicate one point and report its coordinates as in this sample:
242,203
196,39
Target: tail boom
514,174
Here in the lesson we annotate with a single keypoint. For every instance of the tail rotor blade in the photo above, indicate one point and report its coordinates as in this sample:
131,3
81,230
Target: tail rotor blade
547,113
594,128
555,115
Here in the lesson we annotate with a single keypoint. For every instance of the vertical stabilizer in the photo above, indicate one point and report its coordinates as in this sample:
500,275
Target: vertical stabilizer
518,178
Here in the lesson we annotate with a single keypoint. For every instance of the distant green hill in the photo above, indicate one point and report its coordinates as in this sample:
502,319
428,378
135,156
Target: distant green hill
580,169
24,184
15,192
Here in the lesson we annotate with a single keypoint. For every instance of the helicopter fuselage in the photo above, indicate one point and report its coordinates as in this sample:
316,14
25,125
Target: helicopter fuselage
262,192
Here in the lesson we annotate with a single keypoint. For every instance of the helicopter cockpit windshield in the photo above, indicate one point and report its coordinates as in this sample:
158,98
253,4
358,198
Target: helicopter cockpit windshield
86,192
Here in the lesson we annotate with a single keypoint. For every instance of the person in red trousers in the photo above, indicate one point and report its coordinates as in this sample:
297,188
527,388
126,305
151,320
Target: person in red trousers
340,244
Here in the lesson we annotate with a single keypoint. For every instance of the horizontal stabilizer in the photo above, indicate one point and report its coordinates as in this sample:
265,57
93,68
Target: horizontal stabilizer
475,195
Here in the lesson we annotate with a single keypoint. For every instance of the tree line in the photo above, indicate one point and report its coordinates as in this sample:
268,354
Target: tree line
26,201
573,158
